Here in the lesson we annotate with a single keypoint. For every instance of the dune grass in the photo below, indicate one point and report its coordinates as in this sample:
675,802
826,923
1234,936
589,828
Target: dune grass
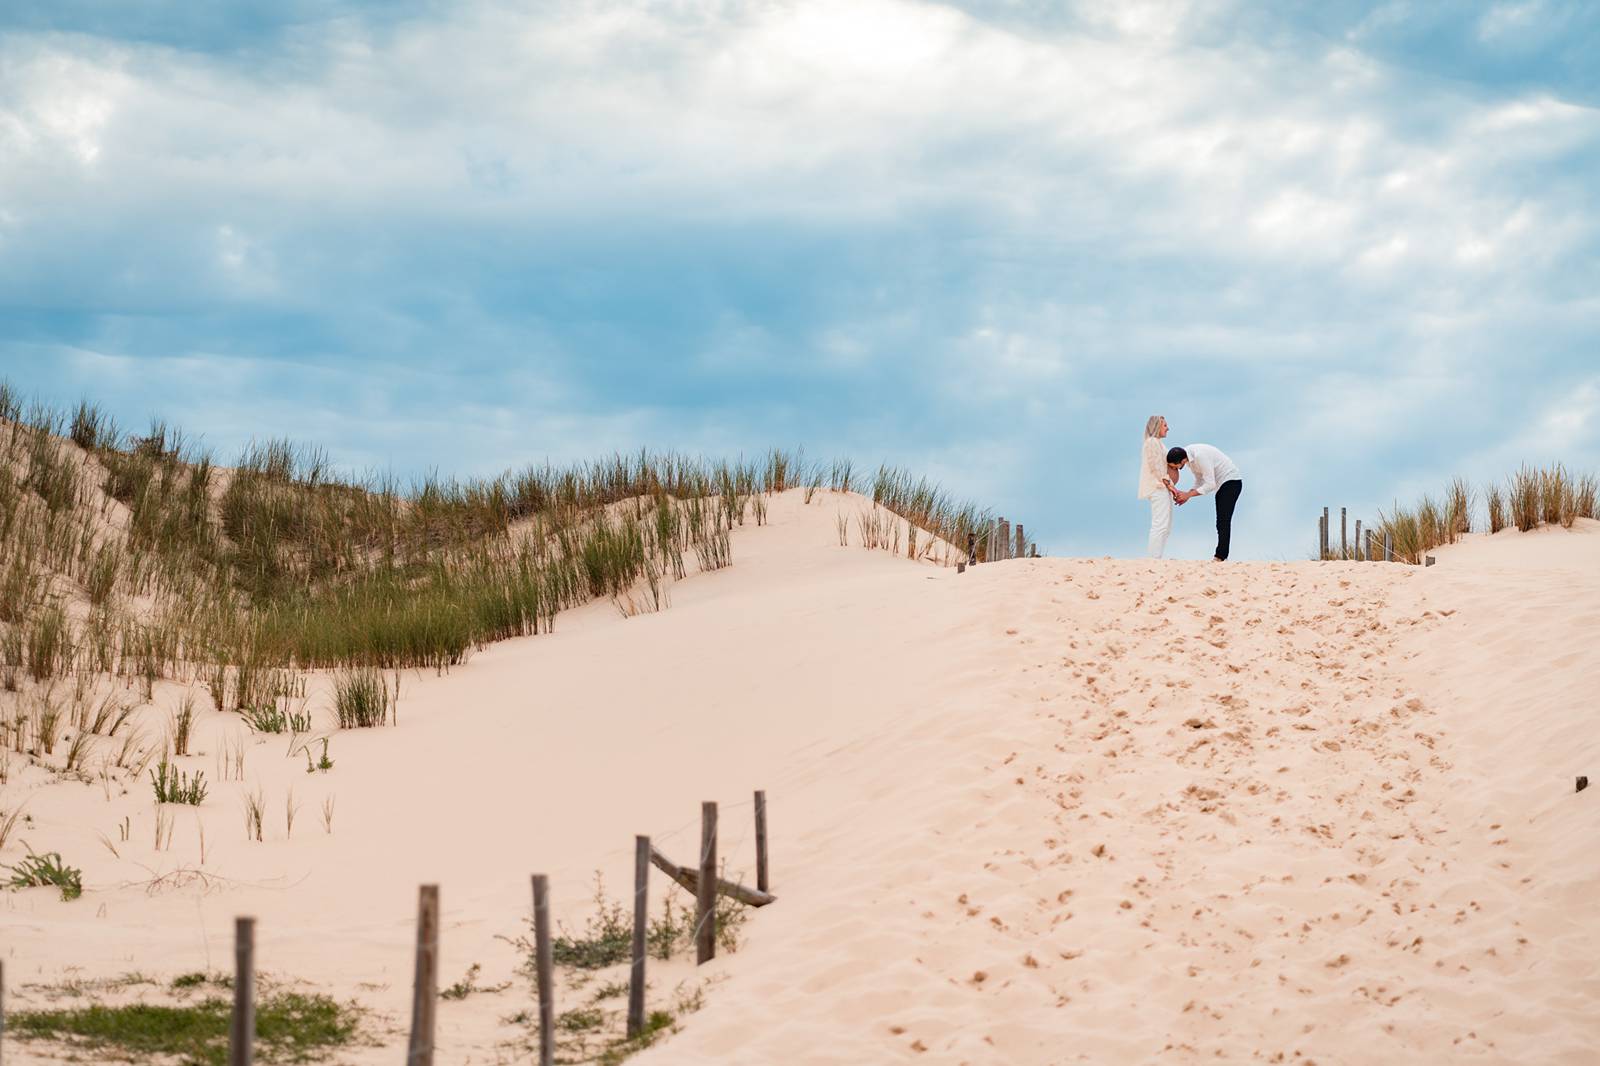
243,577
1531,497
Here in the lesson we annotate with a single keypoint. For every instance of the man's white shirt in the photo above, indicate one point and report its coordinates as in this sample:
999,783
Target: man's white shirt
1211,468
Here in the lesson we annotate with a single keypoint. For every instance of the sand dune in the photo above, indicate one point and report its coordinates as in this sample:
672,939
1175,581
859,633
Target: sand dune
1045,811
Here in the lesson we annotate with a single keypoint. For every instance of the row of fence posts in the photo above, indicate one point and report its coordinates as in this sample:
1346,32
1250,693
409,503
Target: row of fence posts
998,543
1368,550
425,986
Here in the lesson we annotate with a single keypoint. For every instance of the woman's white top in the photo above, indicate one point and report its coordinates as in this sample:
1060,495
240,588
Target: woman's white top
1152,466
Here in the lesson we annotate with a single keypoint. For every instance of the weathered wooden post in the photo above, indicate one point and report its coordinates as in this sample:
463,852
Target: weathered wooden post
761,841
1005,539
242,1031
425,985
972,548
1344,535
1033,551
544,968
1322,535
1369,545
1022,543
988,542
1359,553
641,918
1388,547
705,917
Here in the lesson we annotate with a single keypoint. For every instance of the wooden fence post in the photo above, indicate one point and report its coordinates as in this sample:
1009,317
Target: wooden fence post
761,841
972,548
1369,545
544,969
1359,554
1322,534
1022,543
641,885
705,916
1344,535
1388,547
242,1031
425,985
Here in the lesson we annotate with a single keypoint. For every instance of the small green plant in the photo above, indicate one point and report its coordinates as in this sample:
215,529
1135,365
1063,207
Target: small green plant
174,786
361,699
271,718
655,1023
580,1020
469,985
37,871
323,763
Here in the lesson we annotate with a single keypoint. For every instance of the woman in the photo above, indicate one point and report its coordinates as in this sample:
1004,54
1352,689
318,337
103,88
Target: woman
1155,484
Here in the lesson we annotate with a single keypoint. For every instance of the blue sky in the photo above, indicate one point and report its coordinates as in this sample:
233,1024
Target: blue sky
1357,246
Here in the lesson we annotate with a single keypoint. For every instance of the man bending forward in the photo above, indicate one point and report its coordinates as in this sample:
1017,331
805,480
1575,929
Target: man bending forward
1214,473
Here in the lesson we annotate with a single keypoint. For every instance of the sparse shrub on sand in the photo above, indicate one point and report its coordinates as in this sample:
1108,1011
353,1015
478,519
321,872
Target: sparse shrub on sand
291,1027
175,786
361,699
37,871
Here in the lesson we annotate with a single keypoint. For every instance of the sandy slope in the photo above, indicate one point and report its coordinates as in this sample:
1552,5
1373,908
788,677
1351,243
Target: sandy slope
1046,811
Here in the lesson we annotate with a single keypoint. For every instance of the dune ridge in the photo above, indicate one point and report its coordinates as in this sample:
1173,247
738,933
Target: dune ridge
1045,811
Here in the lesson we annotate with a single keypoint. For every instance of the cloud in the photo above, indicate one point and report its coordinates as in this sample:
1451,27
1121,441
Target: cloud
986,238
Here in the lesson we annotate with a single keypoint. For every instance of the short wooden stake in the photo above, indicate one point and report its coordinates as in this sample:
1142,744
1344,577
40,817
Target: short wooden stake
641,918
1033,551
705,912
425,985
242,1032
1344,535
961,568
544,969
1428,560
1583,782
761,841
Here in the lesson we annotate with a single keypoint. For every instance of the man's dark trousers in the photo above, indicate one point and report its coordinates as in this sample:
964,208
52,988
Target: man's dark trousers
1227,500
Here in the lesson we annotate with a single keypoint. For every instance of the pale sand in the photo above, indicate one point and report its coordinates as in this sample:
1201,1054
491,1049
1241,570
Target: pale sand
1045,811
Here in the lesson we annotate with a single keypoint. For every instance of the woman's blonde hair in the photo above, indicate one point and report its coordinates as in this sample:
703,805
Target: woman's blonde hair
1151,426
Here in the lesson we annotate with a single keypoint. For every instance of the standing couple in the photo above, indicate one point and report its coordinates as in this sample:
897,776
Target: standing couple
1214,474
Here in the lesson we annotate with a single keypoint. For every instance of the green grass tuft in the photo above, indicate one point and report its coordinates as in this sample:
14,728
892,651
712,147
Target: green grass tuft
290,1028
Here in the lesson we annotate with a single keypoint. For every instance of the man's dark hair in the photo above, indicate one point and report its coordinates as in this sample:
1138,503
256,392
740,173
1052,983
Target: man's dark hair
1176,456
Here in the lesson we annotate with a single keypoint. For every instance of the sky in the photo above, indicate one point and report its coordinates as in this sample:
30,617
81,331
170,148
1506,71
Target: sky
1356,246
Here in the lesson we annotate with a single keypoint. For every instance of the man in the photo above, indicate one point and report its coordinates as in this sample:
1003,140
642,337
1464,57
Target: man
1214,473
